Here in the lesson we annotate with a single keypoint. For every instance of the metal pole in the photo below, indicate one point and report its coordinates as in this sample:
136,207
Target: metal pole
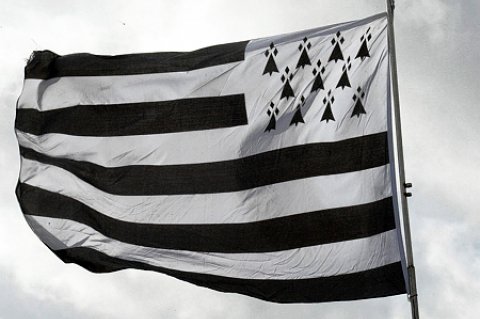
412,293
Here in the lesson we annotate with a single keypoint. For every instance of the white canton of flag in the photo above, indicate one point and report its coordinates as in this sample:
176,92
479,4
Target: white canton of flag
259,167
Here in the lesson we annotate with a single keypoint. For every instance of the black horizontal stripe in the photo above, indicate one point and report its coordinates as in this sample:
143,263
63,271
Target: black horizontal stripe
192,114
262,169
289,232
46,64
378,282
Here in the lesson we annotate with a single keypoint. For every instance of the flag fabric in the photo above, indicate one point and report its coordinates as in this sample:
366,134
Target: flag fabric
261,167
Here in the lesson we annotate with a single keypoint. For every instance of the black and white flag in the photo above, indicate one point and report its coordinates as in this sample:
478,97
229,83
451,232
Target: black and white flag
261,167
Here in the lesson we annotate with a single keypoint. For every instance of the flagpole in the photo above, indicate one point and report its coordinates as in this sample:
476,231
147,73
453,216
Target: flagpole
412,293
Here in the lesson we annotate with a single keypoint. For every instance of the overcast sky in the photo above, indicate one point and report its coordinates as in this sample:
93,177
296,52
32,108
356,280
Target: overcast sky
438,47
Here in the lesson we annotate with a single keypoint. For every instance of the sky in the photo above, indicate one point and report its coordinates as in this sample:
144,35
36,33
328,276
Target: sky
437,52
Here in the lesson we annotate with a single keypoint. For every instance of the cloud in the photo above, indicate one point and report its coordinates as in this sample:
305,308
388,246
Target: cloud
433,17
449,251
18,304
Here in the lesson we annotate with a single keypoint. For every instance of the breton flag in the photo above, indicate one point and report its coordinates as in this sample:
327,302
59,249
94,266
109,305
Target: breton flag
262,167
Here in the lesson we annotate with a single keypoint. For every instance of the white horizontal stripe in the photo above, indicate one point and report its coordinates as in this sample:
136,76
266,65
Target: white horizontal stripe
67,91
310,262
277,200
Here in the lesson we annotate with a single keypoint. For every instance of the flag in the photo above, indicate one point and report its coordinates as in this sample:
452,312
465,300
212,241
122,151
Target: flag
261,167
